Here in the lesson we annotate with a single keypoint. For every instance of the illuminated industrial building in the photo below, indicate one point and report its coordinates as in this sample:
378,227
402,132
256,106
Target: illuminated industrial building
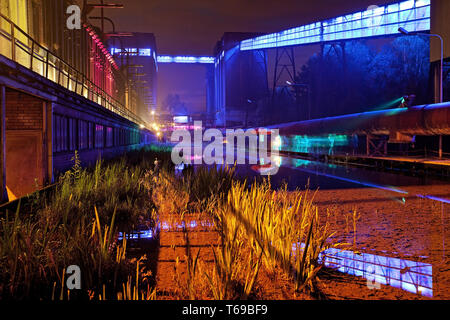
60,90
136,56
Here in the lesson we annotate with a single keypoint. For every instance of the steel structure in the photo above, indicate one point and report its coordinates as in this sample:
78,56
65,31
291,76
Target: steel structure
413,15
424,120
379,127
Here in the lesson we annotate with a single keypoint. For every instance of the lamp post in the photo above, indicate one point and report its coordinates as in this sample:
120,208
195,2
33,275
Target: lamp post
103,6
441,80
407,33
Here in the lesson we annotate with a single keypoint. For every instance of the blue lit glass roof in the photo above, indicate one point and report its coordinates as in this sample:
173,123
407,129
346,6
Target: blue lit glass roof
143,52
413,15
185,59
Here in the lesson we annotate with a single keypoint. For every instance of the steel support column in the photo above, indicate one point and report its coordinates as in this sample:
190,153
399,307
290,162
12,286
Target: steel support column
376,145
284,70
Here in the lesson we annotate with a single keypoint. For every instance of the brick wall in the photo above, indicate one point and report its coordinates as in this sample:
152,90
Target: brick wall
23,111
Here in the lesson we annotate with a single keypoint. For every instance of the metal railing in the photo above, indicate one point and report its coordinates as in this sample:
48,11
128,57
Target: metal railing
17,45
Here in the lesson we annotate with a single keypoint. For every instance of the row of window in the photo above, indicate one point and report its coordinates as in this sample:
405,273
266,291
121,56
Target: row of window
70,134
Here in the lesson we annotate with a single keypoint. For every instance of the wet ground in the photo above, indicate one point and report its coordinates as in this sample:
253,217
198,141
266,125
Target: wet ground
399,216
402,230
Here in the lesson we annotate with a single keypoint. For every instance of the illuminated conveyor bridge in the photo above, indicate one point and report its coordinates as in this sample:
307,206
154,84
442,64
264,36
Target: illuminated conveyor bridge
413,15
186,59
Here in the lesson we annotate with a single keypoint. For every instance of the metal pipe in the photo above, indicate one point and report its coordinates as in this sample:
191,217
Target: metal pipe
419,120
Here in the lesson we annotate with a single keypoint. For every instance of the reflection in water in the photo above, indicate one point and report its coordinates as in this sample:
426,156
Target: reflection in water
142,234
317,144
179,226
334,172
366,184
412,276
433,198
149,234
180,167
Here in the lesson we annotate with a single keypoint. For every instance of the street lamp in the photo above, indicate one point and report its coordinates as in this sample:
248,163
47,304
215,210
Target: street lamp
408,33
103,6
441,81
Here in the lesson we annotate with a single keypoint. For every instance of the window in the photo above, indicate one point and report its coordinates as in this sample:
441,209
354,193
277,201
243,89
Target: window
60,133
73,136
109,137
133,136
91,135
83,135
116,137
123,137
99,136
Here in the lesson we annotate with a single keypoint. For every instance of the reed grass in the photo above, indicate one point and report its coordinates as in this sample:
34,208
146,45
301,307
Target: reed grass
196,190
280,228
77,223
260,230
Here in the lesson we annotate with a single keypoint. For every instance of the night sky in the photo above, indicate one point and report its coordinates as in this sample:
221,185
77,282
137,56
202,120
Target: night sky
192,27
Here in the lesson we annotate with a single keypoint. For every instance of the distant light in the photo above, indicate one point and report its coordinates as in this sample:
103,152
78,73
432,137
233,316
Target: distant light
164,59
153,112
180,119
289,83
142,52
146,52
141,126
185,59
